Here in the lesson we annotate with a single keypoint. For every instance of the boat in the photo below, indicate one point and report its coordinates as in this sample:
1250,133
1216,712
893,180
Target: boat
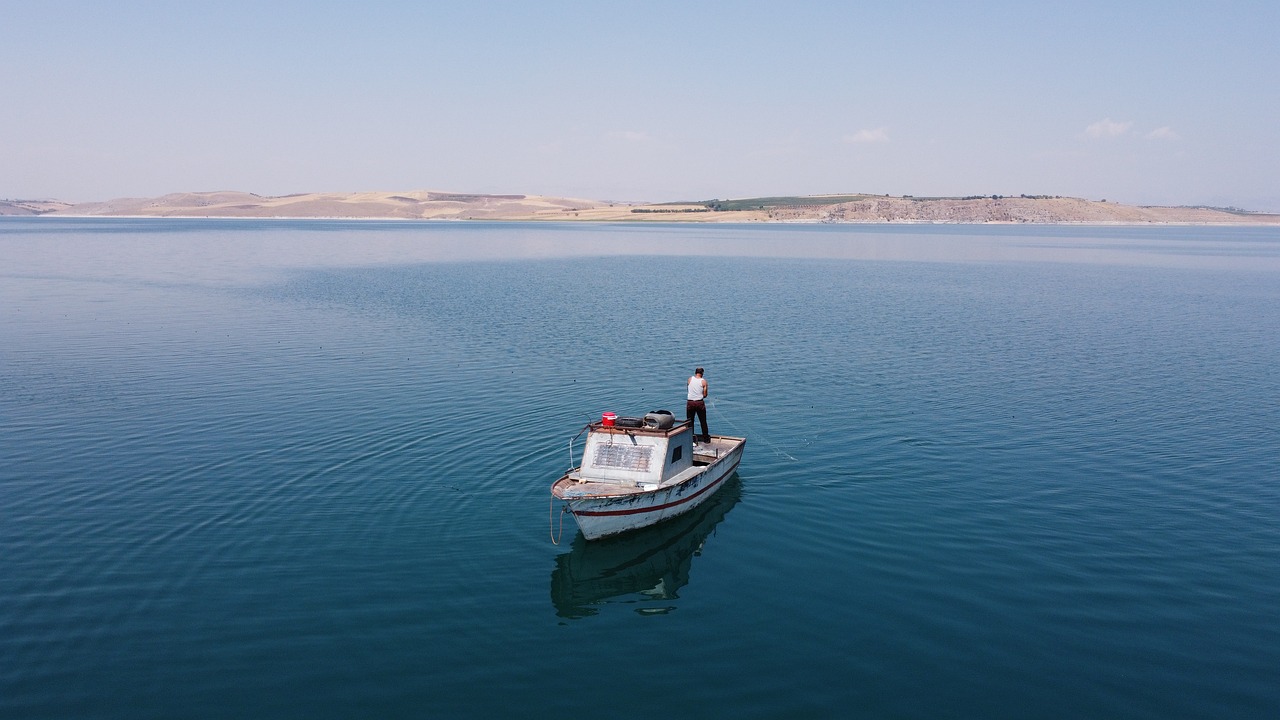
637,472
643,570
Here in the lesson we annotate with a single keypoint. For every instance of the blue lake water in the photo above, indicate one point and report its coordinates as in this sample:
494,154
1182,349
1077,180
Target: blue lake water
280,469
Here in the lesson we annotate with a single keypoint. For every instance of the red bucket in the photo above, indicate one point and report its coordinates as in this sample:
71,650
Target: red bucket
608,419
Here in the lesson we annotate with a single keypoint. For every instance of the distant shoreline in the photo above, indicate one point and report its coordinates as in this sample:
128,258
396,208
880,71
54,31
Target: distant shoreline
666,222
860,209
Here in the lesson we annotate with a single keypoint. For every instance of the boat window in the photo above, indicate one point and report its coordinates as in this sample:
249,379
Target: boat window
677,453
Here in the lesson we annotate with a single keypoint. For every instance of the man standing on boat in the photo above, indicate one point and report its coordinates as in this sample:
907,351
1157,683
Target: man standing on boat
697,403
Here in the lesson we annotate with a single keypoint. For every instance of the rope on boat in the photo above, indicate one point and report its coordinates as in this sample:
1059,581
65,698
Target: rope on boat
749,433
555,536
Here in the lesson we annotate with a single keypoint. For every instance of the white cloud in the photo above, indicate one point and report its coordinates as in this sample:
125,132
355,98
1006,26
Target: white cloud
1163,133
1107,128
874,135
631,136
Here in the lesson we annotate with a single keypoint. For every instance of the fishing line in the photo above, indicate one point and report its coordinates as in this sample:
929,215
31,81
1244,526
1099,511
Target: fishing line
749,433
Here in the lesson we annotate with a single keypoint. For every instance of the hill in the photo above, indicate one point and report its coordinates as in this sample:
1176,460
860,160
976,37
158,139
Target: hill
31,207
436,205
386,205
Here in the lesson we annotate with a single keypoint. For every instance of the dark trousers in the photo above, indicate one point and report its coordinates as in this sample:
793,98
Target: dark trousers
698,408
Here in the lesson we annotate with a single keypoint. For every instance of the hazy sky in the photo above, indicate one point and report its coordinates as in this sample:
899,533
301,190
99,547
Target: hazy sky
1138,102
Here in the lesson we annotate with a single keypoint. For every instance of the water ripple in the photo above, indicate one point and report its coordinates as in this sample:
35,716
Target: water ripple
970,489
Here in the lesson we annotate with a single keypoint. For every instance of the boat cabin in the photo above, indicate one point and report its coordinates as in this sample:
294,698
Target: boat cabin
619,453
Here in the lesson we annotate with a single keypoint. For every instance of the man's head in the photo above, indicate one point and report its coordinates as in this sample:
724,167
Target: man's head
698,372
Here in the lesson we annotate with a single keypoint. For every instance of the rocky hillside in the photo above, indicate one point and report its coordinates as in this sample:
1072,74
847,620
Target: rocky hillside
1005,210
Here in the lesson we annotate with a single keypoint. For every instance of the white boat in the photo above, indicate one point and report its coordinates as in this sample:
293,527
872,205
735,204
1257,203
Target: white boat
642,570
637,472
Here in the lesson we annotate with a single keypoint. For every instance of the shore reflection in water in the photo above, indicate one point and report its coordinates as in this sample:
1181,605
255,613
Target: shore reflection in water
645,568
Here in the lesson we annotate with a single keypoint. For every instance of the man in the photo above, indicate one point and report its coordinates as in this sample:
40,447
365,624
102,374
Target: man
696,404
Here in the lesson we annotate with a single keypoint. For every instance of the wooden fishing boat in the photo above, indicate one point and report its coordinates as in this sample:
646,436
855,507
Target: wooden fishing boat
636,472
642,570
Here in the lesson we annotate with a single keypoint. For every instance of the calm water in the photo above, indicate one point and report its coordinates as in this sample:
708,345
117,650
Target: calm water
300,469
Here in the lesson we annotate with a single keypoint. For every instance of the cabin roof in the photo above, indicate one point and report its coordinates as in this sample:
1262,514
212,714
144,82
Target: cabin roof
681,426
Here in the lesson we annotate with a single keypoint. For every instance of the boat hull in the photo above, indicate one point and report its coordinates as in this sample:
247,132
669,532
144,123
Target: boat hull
601,515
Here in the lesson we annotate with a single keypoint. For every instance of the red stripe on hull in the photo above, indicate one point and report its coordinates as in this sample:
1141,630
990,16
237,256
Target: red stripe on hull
656,508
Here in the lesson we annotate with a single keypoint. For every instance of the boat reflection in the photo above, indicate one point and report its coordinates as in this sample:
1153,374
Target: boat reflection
645,568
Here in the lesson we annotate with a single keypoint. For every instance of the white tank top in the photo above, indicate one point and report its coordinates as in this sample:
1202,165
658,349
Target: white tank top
695,388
